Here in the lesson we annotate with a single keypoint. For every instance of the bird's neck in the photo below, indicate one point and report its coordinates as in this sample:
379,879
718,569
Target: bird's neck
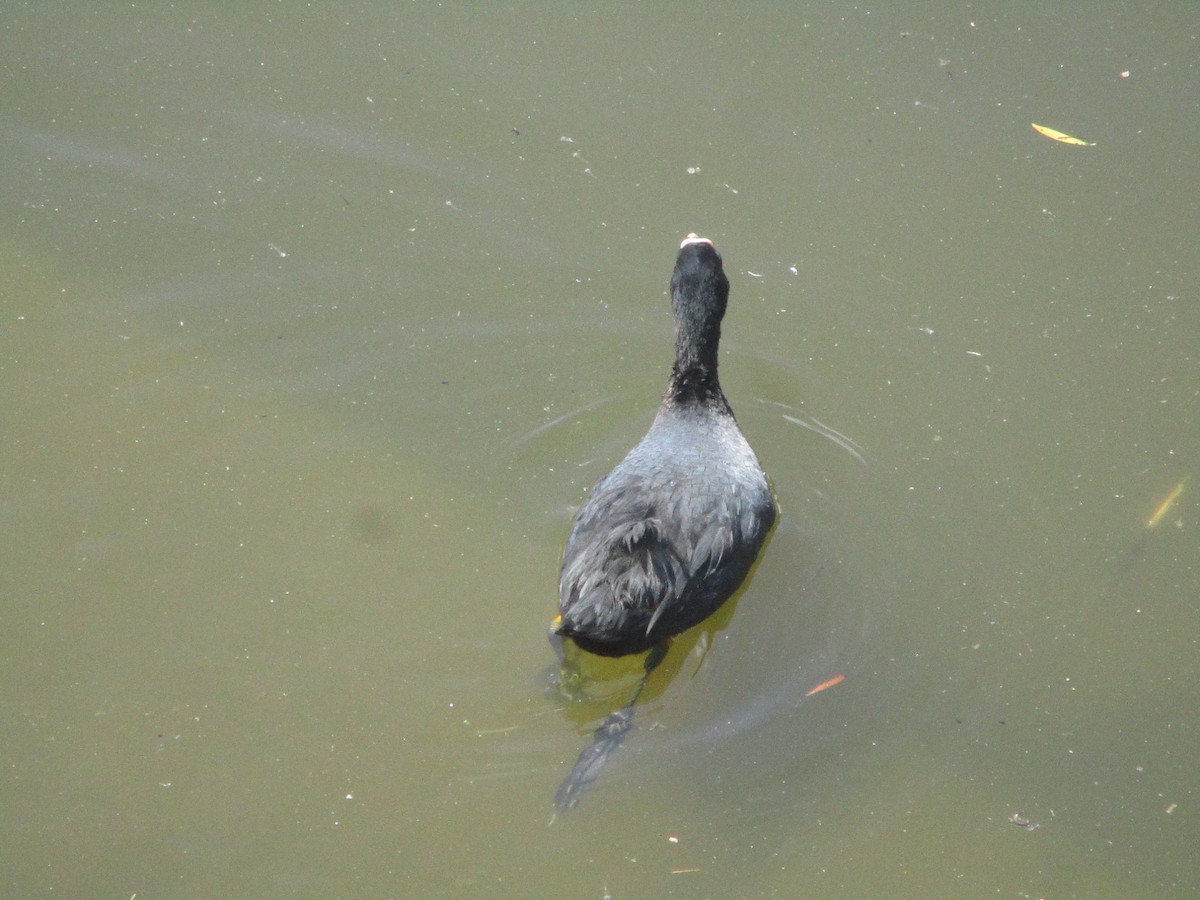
694,380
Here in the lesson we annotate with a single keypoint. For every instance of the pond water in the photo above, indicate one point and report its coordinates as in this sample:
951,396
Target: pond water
318,324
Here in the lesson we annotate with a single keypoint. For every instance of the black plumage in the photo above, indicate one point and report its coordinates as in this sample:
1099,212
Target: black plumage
668,535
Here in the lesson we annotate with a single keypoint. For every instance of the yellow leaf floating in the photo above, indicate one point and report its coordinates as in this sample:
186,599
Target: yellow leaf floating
1055,135
1165,507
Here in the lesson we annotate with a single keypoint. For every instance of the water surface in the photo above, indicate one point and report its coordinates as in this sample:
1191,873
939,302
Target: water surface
319,324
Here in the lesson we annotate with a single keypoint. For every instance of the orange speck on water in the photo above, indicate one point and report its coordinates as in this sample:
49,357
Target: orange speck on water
825,685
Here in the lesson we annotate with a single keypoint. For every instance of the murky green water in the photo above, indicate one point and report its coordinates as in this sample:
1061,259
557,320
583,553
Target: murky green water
318,325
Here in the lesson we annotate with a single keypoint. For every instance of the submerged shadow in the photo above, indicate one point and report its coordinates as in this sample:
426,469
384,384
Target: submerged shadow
665,661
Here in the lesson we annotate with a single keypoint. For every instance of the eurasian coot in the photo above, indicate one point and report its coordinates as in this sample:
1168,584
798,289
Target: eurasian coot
668,535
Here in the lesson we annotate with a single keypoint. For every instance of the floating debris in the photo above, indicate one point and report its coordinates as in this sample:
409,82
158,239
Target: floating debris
825,685
1056,135
1165,507
1021,822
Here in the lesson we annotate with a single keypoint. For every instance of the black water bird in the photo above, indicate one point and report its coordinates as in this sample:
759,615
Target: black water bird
669,534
